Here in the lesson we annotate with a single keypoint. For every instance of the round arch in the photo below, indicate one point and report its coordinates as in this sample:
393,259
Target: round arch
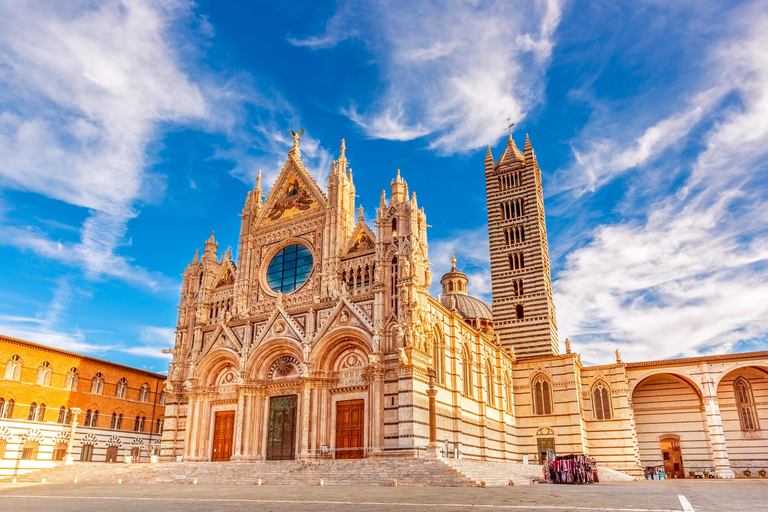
661,371
763,368
212,364
259,362
330,348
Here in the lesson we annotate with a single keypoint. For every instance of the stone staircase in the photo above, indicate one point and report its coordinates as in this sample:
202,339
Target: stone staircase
406,472
494,474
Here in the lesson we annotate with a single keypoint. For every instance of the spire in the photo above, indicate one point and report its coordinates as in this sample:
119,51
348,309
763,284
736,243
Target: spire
413,202
210,248
528,149
343,148
360,216
399,189
453,261
257,190
489,156
383,202
197,256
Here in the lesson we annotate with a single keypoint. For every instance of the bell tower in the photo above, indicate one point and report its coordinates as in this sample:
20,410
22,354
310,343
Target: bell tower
523,311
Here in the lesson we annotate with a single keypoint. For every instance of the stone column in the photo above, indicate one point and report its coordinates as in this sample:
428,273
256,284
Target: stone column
433,448
71,441
305,403
717,438
237,449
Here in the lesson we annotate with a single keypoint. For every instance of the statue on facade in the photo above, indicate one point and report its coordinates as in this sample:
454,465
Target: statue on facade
296,137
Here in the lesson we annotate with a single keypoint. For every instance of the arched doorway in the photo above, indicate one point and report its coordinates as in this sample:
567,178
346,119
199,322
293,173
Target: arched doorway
672,457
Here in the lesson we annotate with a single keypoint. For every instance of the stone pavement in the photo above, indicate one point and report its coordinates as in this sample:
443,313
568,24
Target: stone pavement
643,496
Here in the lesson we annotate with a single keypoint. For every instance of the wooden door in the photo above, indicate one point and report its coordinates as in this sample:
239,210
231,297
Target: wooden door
545,444
350,423
673,458
281,432
224,426
112,454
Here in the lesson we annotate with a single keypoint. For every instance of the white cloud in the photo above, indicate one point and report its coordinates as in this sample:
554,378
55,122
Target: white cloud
452,70
152,342
690,277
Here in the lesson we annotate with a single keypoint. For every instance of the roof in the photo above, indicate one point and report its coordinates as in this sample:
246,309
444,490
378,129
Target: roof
700,359
75,354
468,306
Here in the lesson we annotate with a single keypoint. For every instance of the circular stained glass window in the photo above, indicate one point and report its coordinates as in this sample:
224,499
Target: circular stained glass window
289,269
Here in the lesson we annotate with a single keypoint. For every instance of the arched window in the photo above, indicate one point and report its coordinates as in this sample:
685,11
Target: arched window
13,369
542,396
40,413
59,450
394,271
8,413
745,402
138,426
117,420
32,411
601,401
162,398
489,392
97,384
91,418
466,370
29,452
86,452
159,426
438,357
44,372
71,379
519,311
144,393
2,407
62,414
121,388
394,227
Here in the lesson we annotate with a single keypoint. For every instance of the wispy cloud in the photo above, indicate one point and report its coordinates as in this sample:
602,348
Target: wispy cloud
453,78
689,276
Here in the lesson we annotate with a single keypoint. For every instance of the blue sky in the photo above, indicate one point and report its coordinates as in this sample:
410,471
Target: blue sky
130,130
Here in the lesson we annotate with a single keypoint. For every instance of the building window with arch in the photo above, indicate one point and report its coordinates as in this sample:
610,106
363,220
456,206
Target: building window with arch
71,379
138,426
745,402
542,396
122,388
466,371
144,393
159,426
601,401
162,398
2,408
13,369
62,415
117,420
97,384
91,417
86,453
29,452
32,411
438,359
44,372
59,451
489,394
7,411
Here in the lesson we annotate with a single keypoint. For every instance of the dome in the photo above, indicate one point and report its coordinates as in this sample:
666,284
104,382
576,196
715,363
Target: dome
469,307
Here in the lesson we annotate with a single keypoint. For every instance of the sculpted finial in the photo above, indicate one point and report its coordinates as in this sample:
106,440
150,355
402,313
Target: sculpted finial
296,137
360,216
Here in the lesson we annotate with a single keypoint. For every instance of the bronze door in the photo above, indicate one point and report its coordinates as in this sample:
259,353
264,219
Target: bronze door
545,444
281,433
673,458
112,454
349,429
224,426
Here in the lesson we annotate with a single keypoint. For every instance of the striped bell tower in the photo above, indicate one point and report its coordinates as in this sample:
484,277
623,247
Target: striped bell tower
523,311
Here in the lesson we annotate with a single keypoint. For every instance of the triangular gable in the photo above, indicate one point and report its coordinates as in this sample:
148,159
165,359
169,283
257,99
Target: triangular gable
345,314
294,193
222,337
280,324
362,240
226,275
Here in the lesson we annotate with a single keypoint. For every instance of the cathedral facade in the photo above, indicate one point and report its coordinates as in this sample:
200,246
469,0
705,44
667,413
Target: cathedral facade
320,339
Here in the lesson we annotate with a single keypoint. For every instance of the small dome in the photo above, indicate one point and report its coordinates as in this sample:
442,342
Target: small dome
469,307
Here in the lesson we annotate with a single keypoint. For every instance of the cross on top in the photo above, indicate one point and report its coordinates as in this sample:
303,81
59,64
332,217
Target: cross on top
510,124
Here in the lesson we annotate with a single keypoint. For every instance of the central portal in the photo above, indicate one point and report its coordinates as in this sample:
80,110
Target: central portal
223,426
349,429
281,435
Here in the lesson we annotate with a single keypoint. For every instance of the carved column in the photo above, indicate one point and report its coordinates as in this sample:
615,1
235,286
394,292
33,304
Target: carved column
305,403
71,441
237,449
188,436
433,448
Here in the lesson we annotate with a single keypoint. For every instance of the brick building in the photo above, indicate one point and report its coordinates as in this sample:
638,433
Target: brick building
122,408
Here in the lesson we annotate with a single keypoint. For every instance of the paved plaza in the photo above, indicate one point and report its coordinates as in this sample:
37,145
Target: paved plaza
684,496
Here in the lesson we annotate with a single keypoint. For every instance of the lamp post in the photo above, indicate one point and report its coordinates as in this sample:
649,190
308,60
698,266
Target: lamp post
71,441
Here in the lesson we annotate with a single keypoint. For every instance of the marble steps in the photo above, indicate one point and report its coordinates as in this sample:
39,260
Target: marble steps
407,472
494,474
